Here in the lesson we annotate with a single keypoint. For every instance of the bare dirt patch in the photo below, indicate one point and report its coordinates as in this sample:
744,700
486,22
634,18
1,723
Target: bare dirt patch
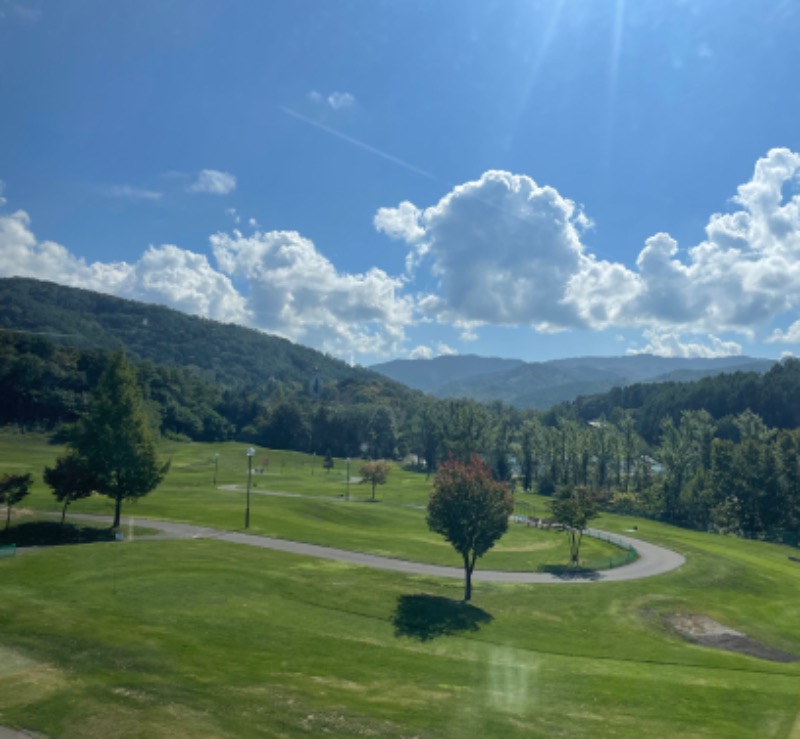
703,630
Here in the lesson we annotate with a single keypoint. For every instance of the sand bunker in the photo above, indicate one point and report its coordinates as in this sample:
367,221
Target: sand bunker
706,631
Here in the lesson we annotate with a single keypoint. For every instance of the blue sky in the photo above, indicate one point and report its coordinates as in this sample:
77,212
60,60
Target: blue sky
393,179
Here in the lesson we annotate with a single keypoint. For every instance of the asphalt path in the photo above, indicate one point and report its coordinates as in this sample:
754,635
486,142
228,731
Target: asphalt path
653,560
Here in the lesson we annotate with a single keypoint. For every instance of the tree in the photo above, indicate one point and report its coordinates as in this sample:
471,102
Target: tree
13,488
470,510
465,425
375,473
328,462
71,479
383,439
115,439
286,428
575,508
527,459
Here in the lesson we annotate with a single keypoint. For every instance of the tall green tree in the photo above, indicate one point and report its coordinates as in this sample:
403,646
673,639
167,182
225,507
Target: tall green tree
382,436
115,439
527,458
286,428
466,426
470,510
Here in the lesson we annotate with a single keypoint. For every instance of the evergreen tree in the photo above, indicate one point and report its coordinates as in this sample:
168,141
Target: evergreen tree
116,440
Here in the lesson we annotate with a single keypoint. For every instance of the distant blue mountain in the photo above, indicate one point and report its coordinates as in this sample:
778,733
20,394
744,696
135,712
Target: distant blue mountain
544,384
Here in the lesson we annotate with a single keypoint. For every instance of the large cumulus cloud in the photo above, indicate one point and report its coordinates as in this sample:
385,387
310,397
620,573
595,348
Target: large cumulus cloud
508,251
503,248
296,291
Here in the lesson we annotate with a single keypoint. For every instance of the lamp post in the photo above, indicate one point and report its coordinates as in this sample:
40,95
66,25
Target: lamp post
250,453
348,479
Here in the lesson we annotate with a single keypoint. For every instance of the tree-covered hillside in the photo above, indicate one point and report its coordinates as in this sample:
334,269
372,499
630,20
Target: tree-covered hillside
224,354
203,380
774,396
719,454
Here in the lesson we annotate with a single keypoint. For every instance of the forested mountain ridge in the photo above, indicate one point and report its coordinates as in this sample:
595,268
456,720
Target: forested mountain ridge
429,375
774,396
541,385
226,355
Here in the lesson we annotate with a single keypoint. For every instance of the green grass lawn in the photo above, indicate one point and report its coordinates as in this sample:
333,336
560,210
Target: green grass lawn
208,639
394,526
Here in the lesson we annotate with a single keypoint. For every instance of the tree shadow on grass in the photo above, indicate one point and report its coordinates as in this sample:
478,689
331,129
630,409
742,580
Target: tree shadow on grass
568,572
51,533
426,617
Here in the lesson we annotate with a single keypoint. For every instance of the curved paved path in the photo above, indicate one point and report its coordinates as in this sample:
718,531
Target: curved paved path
653,560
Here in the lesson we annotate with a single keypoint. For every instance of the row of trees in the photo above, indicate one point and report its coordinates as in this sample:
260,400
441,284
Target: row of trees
734,472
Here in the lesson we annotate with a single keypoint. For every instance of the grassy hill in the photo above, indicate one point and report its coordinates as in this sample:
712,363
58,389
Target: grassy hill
205,638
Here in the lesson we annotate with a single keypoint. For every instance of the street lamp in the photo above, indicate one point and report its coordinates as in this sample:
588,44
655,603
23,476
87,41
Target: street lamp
250,453
348,479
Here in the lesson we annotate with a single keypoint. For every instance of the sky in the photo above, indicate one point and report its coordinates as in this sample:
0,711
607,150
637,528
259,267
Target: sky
409,178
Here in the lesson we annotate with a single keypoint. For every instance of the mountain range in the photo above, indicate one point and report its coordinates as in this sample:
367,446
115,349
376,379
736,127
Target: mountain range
236,357
544,384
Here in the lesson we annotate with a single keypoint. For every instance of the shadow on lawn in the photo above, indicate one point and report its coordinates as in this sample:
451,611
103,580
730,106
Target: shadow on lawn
51,533
425,617
568,572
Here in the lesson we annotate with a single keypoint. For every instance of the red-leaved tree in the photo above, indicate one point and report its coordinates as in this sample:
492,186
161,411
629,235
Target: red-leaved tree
470,510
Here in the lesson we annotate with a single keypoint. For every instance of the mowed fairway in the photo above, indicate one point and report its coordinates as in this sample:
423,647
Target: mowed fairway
204,638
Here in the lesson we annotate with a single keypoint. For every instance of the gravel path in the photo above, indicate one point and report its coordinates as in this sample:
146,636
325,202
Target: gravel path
653,560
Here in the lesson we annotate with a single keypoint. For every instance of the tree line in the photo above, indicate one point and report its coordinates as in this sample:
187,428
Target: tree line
719,454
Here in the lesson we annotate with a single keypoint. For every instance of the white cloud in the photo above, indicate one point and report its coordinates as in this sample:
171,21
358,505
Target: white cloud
167,274
2,191
790,336
425,352
233,213
507,251
21,254
421,352
467,329
339,100
214,182
129,192
186,281
503,248
296,292
402,222
335,100
673,345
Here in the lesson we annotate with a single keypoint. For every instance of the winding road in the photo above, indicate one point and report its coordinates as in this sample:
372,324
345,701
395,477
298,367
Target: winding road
653,560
